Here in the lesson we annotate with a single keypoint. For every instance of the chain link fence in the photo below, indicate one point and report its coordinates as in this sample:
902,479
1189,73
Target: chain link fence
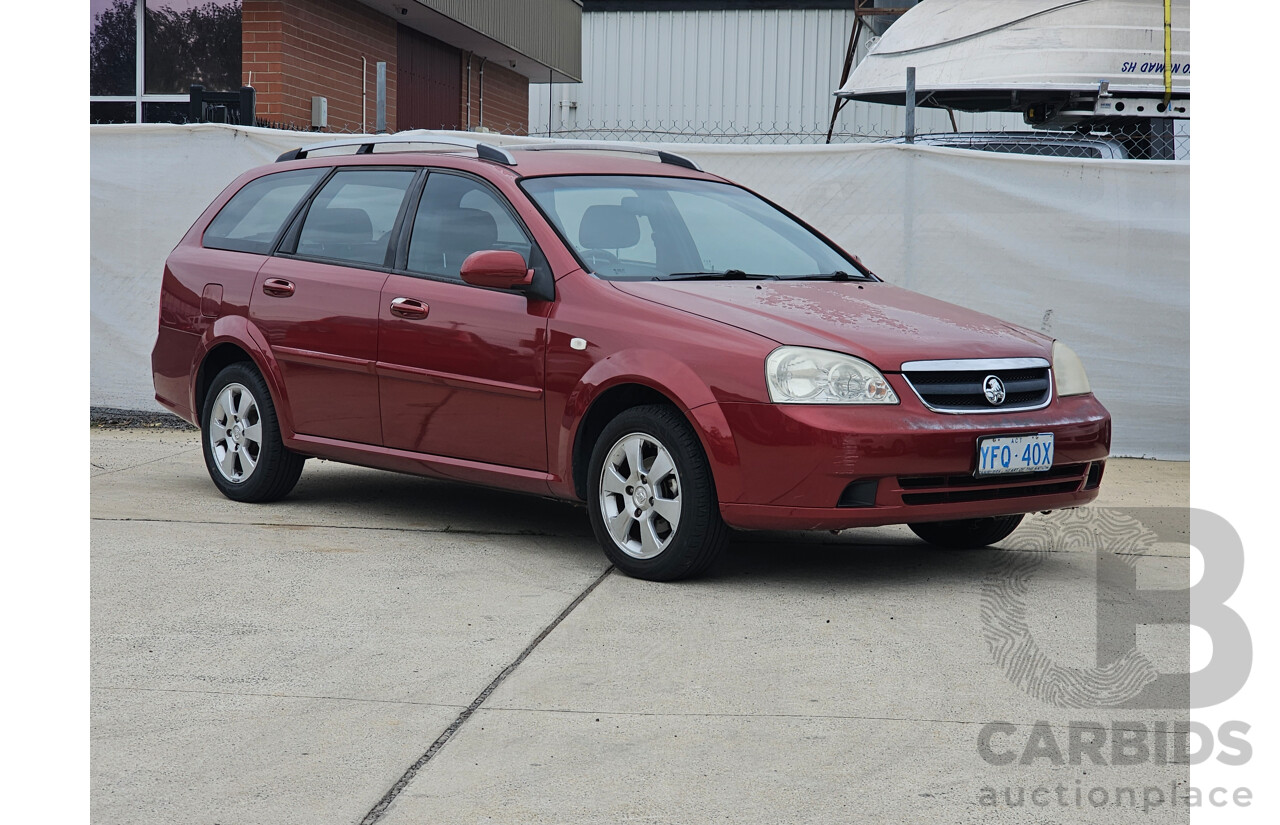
1140,140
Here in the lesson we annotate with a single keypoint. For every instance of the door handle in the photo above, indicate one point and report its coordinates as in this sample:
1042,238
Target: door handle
409,308
277,287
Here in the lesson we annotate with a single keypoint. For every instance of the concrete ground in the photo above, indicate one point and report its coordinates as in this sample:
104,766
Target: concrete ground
382,648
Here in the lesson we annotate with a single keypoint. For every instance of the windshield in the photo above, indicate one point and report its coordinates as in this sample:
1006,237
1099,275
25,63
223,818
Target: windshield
627,227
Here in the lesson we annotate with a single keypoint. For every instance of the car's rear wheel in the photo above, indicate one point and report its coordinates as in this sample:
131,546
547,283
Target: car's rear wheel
967,534
243,451
652,498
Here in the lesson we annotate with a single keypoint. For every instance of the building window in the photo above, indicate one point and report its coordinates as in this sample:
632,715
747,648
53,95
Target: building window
183,42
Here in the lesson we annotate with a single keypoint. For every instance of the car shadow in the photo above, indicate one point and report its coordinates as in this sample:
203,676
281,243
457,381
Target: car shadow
869,556
877,557
413,501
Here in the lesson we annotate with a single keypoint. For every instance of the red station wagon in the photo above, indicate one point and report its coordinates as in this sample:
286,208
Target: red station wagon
670,348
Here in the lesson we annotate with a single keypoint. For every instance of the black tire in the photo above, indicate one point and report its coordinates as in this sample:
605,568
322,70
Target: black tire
650,546
240,435
967,534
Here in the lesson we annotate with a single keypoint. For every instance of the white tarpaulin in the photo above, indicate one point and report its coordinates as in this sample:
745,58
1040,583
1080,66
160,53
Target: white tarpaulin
1094,252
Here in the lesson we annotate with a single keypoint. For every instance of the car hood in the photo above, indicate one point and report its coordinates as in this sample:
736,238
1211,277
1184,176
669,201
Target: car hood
881,323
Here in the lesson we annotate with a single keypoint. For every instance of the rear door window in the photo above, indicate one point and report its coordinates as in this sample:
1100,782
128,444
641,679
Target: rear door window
352,218
253,218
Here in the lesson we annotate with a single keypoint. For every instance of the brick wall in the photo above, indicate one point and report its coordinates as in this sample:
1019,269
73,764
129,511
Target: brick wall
506,97
294,49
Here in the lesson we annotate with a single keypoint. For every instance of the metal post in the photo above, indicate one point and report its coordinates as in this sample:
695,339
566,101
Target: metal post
381,121
483,61
140,63
909,190
849,54
195,110
248,106
911,104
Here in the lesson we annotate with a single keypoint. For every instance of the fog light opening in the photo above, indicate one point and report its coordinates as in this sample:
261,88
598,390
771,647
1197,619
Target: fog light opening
861,493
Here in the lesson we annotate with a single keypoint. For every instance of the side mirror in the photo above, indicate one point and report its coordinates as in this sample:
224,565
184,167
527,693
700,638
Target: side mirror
499,269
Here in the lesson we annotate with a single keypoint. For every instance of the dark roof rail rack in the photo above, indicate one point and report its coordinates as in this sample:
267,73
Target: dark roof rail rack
485,151
608,146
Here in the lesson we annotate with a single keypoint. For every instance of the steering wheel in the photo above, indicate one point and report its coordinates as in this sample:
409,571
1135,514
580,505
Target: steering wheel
599,257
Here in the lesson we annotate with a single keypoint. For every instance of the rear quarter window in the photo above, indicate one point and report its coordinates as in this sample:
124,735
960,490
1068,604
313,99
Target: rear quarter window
254,216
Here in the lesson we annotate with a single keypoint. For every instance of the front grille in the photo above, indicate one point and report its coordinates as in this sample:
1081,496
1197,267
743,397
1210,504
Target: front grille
1066,478
958,386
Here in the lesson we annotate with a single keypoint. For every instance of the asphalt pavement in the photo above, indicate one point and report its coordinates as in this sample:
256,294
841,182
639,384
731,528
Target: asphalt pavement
384,648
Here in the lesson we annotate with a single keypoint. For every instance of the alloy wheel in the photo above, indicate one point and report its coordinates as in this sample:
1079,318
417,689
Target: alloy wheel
640,496
235,433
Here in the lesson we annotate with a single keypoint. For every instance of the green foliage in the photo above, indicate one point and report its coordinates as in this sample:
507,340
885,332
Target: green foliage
112,51
196,45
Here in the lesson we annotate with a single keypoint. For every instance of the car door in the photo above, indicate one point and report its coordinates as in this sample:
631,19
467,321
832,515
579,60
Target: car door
461,367
317,301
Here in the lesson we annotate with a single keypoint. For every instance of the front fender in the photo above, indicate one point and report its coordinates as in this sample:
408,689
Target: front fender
662,373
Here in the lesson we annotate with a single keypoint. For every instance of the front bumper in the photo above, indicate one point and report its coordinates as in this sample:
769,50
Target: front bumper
829,467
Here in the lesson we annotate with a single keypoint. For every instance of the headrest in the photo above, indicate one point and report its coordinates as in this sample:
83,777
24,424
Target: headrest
470,229
608,227
351,225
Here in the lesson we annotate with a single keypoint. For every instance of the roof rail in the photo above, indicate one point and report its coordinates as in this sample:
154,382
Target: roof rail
609,146
484,150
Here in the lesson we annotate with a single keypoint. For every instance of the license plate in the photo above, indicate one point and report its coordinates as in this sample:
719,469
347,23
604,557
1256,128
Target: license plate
1001,455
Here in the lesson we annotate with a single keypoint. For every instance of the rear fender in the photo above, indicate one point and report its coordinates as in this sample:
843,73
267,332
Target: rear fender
238,330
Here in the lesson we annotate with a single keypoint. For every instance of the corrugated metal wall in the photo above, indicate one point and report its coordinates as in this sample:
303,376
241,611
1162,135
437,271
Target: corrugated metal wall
766,75
546,30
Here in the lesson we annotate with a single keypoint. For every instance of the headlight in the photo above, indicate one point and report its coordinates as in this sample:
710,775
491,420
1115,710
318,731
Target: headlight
799,375
1068,372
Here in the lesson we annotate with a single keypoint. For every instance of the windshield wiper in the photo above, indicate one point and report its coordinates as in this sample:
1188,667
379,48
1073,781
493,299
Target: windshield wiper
726,275
838,275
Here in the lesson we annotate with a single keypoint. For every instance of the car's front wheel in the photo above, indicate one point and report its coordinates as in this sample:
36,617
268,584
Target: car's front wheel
652,498
243,451
967,534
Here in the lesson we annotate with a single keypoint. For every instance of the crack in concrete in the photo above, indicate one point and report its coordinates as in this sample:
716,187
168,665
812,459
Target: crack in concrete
1128,725
376,812
106,472
1064,726
459,531
129,689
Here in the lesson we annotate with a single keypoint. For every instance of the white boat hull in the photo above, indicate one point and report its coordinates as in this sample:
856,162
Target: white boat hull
1001,55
